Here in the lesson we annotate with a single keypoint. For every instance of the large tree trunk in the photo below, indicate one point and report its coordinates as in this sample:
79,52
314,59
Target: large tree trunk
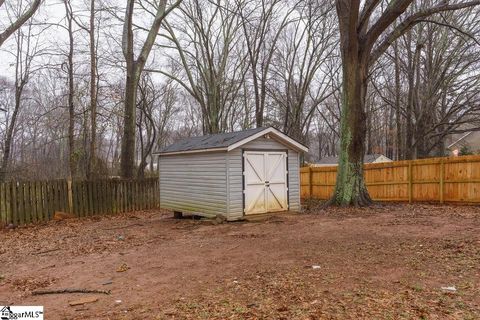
350,188
127,160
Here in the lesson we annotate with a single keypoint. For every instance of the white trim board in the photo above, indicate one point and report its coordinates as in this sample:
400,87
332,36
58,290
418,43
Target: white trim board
281,137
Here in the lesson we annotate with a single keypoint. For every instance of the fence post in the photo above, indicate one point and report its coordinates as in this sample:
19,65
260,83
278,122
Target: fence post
310,184
410,182
442,179
70,195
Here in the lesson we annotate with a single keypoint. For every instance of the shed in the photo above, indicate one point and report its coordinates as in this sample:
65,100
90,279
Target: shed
231,174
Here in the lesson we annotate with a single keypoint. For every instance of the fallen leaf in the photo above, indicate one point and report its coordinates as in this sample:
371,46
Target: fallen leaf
124,267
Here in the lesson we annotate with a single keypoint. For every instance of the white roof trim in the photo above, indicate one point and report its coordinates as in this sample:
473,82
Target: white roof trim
276,133
190,151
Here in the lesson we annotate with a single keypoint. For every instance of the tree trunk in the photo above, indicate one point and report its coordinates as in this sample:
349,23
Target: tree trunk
134,71
369,140
398,119
128,142
258,104
350,187
9,135
409,154
71,107
93,94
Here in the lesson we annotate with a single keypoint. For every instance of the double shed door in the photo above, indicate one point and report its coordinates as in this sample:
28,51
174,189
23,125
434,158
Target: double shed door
265,181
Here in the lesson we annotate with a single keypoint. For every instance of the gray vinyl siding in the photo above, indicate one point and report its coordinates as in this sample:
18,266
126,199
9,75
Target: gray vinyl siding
235,194
294,180
235,181
194,183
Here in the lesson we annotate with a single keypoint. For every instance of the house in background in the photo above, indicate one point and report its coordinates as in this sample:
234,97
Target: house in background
369,158
469,140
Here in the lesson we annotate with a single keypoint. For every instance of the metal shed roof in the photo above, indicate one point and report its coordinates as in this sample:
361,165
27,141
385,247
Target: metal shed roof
226,141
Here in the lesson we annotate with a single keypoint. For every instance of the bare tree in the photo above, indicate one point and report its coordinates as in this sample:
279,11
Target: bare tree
93,92
134,70
156,105
362,43
434,92
213,64
71,89
263,22
303,67
26,49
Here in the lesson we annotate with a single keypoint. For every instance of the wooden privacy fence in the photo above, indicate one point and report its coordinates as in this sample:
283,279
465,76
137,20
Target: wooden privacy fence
455,179
35,201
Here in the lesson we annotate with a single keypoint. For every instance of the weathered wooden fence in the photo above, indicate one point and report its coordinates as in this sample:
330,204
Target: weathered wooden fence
455,179
35,201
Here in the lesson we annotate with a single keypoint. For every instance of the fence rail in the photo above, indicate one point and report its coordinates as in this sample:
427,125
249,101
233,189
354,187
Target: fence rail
36,201
455,179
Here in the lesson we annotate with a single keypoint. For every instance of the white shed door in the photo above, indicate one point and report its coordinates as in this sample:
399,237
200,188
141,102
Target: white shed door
265,182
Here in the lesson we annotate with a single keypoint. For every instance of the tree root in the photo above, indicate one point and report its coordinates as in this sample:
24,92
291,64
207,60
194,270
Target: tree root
363,199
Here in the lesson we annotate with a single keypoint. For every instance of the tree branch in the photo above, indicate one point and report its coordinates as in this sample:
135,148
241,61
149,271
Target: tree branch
367,11
19,22
411,21
162,12
391,13
452,27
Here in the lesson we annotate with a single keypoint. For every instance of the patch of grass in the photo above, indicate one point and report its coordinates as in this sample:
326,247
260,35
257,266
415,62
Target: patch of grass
417,288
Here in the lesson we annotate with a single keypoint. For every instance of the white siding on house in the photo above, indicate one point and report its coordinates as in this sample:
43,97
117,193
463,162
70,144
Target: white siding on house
194,183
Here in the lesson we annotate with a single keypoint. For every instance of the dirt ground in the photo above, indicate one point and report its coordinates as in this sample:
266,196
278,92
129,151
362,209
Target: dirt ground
388,262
